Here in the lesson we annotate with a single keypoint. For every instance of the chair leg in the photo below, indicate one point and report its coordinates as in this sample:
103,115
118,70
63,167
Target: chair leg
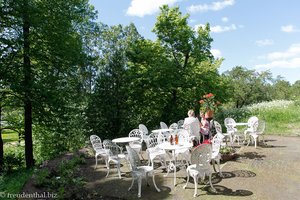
219,168
196,186
147,174
140,186
238,139
132,182
108,167
96,158
119,171
165,163
187,179
211,185
153,179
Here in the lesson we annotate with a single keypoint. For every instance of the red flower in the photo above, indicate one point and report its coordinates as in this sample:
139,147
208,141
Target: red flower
208,103
209,95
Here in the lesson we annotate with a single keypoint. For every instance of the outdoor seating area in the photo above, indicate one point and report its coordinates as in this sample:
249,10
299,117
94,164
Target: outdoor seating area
172,152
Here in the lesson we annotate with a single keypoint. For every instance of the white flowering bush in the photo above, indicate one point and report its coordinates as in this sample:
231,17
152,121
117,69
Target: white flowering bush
270,105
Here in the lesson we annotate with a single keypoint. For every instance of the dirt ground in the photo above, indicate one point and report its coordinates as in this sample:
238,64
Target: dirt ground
271,171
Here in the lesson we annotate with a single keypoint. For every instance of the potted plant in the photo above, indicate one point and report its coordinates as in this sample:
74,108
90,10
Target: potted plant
227,153
208,105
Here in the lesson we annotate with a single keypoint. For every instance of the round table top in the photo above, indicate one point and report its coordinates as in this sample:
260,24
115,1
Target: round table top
168,146
238,124
162,130
125,139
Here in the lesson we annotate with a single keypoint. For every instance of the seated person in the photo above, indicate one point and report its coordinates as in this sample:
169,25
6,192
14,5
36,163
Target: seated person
204,127
192,124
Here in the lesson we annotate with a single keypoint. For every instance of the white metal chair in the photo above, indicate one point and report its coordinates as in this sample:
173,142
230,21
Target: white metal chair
173,126
153,151
115,155
180,123
136,145
138,171
163,125
98,148
218,128
250,126
231,130
200,165
145,132
183,137
216,156
259,128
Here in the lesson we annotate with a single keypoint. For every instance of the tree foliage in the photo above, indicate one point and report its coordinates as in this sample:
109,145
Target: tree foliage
42,59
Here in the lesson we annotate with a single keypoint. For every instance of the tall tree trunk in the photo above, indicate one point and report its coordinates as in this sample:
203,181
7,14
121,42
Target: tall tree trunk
27,89
1,143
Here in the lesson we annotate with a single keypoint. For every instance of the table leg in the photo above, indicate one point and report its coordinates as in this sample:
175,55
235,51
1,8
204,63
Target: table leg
174,158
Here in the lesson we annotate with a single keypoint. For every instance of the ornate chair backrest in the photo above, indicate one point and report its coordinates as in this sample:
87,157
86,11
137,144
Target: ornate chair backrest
218,127
183,136
180,123
216,143
155,139
252,120
173,126
201,156
259,127
113,149
135,133
163,125
133,158
144,129
96,142
229,124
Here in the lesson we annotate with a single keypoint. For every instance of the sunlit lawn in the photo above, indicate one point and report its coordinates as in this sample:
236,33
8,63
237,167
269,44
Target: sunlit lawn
281,117
9,136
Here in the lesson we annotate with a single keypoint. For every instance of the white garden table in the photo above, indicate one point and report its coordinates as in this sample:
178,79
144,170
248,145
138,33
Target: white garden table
168,147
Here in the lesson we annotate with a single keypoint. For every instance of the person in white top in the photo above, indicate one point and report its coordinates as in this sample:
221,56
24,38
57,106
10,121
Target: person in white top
192,124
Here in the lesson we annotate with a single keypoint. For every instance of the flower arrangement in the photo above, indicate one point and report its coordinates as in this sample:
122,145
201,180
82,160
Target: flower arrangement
208,103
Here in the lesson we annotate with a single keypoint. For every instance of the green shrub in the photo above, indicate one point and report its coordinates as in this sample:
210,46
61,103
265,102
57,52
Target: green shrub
13,158
65,181
41,177
238,114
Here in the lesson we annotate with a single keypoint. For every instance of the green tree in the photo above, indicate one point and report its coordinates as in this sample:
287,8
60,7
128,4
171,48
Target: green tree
295,90
44,56
192,69
108,113
248,86
281,89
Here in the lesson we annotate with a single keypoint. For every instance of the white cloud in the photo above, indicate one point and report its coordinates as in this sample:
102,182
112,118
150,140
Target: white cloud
140,8
285,59
215,6
216,53
192,20
199,25
225,19
220,29
289,29
265,42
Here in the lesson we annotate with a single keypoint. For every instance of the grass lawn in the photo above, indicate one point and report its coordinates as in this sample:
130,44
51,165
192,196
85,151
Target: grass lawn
14,182
9,136
280,119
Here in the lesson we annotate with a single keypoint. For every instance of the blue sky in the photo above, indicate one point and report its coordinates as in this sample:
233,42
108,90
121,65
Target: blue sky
256,34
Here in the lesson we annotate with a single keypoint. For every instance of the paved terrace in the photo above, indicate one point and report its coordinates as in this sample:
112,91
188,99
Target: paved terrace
271,171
